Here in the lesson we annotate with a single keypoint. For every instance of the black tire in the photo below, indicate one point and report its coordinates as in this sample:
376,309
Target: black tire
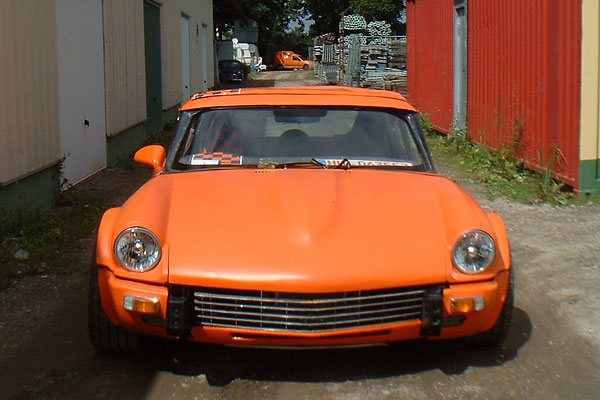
305,67
494,336
105,336
280,67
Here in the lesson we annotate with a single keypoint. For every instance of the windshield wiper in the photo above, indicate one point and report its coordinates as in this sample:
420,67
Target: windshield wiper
344,164
292,164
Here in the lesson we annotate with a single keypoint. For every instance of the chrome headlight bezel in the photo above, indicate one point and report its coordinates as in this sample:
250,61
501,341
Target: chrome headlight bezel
137,249
473,252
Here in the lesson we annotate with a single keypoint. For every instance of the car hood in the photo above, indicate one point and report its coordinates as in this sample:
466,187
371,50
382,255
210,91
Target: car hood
306,230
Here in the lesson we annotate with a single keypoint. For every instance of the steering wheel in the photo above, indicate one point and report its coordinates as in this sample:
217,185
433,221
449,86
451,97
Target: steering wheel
293,133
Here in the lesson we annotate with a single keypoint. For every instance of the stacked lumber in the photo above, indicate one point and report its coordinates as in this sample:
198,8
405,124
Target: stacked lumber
373,57
326,38
397,55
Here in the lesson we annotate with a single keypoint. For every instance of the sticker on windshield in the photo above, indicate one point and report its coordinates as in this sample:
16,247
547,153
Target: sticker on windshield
216,158
365,163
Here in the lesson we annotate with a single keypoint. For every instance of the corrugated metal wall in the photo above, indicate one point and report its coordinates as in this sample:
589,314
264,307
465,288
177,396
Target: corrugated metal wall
29,127
125,73
430,65
524,63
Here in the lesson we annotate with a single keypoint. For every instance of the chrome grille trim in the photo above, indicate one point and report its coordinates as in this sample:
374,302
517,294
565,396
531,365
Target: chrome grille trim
293,312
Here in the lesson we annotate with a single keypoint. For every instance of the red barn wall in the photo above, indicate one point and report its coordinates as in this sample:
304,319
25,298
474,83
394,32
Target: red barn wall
524,63
429,33
524,75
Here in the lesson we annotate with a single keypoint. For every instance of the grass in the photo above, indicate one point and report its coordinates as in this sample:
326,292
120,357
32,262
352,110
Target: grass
500,172
47,241
51,238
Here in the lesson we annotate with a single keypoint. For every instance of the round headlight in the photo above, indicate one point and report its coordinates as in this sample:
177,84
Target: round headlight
473,252
137,249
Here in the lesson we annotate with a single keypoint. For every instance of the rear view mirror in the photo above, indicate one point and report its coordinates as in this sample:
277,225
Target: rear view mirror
153,156
299,115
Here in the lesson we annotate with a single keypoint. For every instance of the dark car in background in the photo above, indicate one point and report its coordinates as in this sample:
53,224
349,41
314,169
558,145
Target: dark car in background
231,71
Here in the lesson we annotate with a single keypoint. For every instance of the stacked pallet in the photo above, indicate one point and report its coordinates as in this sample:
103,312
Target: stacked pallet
318,52
397,54
397,81
330,54
373,57
329,73
366,55
326,38
326,62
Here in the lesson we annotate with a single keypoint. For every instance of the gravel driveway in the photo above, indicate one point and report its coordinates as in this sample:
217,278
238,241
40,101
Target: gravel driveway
552,351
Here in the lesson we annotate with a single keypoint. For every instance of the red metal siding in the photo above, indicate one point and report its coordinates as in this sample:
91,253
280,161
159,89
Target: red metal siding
430,64
524,63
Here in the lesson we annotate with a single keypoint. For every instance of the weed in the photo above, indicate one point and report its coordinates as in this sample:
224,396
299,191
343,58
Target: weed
426,123
38,242
170,125
501,172
50,241
549,189
163,138
64,182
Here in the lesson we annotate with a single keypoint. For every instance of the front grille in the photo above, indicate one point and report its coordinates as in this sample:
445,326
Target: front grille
294,312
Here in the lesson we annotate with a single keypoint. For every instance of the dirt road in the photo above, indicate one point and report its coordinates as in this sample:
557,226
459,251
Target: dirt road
552,351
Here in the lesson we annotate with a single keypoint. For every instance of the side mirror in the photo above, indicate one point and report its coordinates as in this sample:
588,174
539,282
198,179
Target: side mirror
153,156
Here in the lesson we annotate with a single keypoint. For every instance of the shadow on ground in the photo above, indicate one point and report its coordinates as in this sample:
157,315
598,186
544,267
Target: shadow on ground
246,83
222,365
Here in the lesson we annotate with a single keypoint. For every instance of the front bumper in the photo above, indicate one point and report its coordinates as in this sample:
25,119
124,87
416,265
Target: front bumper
177,317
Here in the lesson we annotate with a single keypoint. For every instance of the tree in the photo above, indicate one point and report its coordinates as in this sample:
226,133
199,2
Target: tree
380,10
273,18
327,14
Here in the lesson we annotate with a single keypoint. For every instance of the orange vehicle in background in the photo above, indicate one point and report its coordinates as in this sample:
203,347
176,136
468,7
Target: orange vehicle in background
290,60
298,217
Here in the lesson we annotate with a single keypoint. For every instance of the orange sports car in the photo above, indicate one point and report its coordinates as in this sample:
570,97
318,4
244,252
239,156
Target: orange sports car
298,217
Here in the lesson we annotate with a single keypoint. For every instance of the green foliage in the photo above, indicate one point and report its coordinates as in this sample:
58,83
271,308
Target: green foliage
501,172
51,239
273,18
170,125
381,10
54,239
294,40
327,14
426,123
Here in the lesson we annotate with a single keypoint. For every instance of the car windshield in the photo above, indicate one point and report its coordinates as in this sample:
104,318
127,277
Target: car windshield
292,136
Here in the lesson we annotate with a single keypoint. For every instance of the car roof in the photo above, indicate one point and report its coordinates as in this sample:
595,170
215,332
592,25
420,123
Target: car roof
319,96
